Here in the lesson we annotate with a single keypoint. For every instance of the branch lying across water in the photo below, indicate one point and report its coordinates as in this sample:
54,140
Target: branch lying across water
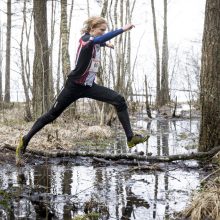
190,156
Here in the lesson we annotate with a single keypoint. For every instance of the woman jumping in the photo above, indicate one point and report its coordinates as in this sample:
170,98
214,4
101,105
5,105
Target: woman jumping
80,83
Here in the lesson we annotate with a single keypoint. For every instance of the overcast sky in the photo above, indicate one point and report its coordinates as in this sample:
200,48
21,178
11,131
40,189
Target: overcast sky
185,28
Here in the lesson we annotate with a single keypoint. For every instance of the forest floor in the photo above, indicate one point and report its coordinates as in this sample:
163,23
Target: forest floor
75,188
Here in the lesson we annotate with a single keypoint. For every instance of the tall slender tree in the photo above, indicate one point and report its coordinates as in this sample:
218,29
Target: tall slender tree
156,44
210,78
52,25
41,59
8,53
28,116
164,93
1,58
147,102
64,40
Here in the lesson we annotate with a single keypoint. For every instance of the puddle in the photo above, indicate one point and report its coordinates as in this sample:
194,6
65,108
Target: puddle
60,188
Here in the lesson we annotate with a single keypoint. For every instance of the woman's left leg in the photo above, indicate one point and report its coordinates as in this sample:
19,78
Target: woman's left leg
107,95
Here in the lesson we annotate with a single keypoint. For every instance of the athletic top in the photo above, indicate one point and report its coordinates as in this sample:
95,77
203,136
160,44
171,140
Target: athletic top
88,57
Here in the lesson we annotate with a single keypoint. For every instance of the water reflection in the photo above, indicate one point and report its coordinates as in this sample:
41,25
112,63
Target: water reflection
59,192
170,137
59,189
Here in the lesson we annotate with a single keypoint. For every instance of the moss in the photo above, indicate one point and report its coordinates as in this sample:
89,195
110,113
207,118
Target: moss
5,199
93,216
183,136
90,216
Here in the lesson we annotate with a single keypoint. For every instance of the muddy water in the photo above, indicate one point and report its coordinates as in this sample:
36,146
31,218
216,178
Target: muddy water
60,188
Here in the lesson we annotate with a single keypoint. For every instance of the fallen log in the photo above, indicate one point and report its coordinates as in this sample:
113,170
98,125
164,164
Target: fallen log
119,162
190,156
154,167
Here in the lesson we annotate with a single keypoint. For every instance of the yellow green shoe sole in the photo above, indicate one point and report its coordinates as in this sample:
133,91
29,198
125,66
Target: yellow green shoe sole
132,144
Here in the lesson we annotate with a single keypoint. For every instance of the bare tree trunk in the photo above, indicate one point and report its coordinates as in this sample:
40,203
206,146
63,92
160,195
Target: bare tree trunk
27,60
157,55
8,54
210,78
174,110
164,94
88,9
53,19
1,58
104,8
127,69
147,103
41,60
28,116
117,48
101,73
58,68
70,21
64,40
121,74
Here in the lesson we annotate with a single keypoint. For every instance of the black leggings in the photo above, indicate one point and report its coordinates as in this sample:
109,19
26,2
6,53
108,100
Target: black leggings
70,93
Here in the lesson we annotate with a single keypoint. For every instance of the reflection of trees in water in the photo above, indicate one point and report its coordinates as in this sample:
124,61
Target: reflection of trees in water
163,137
120,145
155,196
110,186
162,144
67,180
42,178
148,129
66,189
133,202
119,191
158,137
166,184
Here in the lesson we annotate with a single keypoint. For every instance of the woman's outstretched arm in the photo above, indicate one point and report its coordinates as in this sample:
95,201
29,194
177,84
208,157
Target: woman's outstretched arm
108,36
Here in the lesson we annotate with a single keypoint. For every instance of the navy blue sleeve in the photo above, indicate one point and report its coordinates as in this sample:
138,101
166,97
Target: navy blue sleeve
108,36
103,44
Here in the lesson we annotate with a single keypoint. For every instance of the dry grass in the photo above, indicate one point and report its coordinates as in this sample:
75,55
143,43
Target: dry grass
55,136
96,132
205,205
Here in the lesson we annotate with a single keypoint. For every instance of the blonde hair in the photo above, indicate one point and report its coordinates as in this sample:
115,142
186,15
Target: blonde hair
92,22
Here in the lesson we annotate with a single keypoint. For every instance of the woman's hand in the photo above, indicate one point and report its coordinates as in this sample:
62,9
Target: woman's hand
110,45
128,27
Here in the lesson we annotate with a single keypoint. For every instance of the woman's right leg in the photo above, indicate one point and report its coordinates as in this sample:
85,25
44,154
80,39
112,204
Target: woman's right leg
68,95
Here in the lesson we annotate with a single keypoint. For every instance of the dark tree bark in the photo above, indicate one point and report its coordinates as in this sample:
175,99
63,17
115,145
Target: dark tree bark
8,54
210,78
147,103
41,60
